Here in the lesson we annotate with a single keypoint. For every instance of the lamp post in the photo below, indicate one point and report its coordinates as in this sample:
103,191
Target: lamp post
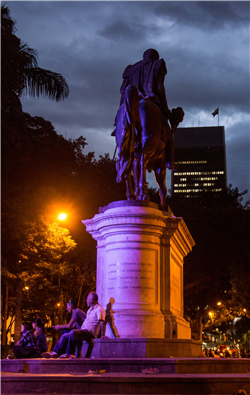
61,217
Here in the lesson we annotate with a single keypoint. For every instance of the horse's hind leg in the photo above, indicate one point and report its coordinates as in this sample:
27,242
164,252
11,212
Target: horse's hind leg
143,184
136,175
160,176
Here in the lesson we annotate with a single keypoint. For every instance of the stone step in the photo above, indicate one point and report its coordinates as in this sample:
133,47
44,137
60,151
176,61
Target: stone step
144,348
124,383
127,365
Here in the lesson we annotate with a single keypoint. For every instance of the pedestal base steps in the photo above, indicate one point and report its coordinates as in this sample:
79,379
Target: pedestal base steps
145,348
129,365
124,376
114,383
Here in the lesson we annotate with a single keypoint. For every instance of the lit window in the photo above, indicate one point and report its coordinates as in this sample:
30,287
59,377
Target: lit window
191,162
198,173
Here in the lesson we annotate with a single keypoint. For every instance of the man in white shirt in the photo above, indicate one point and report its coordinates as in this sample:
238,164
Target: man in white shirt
92,325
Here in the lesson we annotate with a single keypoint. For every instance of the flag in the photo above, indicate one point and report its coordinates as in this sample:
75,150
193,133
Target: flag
216,112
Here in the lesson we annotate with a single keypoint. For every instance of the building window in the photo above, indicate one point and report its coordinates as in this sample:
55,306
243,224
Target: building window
198,173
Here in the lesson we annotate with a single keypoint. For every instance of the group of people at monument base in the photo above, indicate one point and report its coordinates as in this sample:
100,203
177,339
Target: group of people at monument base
81,327
33,341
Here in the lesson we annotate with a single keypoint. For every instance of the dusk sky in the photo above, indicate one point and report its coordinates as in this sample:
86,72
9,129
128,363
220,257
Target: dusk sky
205,45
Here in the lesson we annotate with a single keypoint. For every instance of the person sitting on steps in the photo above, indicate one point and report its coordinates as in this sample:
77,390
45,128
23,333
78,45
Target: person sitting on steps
94,322
77,318
38,327
27,346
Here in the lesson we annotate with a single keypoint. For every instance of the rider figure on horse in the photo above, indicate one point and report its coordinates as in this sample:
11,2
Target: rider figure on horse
148,76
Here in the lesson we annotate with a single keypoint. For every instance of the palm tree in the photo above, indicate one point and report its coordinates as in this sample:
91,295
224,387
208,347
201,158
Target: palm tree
20,76
20,72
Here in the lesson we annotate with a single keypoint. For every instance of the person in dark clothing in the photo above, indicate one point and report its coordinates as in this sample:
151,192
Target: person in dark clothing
39,333
27,346
77,318
243,352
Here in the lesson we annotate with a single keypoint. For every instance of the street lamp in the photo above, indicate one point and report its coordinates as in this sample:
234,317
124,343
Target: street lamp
62,216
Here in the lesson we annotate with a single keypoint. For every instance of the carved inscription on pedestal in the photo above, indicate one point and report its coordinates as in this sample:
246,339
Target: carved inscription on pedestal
132,275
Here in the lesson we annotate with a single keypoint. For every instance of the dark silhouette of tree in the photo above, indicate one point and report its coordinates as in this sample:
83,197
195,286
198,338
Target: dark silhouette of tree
54,172
20,72
20,75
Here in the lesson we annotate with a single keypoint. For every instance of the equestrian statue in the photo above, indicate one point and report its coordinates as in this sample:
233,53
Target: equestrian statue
145,127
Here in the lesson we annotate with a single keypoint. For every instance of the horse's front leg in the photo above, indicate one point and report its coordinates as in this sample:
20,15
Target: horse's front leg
143,184
160,176
129,188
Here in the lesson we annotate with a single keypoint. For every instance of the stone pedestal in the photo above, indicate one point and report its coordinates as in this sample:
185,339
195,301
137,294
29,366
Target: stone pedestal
140,252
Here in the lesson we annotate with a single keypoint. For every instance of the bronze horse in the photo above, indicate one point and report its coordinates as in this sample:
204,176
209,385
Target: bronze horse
142,133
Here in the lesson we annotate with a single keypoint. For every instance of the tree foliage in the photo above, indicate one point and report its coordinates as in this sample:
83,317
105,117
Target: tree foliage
20,71
57,175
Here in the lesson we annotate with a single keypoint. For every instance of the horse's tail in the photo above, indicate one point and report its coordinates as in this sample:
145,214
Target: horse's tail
127,120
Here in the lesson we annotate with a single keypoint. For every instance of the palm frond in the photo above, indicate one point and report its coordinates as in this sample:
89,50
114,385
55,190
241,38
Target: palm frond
7,23
29,55
41,82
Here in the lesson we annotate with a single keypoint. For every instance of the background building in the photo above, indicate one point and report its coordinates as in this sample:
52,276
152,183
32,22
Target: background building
200,154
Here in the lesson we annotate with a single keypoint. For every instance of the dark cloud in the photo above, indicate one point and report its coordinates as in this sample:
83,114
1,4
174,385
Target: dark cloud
205,45
202,81
121,30
206,15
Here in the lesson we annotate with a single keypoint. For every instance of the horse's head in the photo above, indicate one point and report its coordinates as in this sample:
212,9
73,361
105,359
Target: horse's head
177,117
